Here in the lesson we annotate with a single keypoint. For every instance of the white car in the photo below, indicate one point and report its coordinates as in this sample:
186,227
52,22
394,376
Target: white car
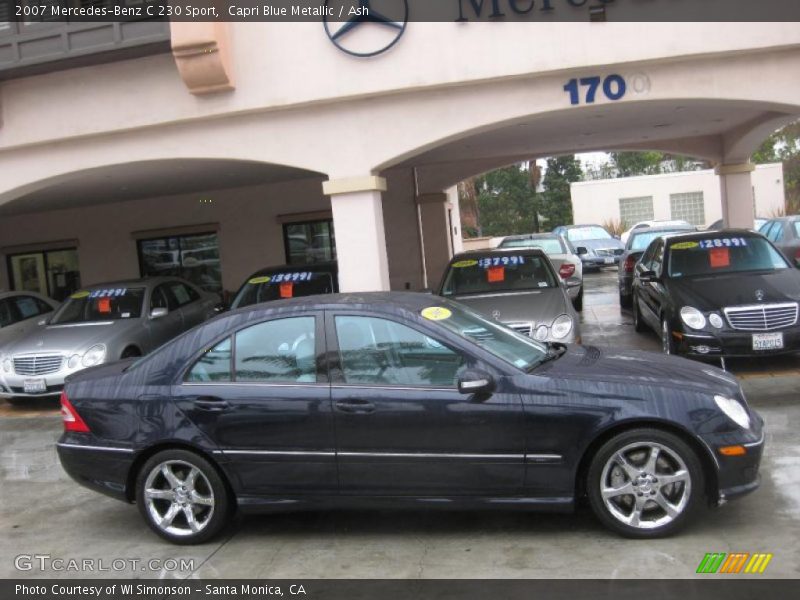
645,224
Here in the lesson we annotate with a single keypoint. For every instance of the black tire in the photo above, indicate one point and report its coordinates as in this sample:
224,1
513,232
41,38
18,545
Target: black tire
625,300
578,302
667,340
130,352
648,491
638,323
212,517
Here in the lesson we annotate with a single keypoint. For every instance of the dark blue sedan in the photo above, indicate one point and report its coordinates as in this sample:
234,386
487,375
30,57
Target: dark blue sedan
403,400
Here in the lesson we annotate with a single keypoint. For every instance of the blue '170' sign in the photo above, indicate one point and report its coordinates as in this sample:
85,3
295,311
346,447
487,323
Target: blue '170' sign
613,87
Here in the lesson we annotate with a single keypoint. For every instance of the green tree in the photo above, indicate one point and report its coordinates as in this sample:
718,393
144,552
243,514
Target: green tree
784,146
506,201
555,202
630,164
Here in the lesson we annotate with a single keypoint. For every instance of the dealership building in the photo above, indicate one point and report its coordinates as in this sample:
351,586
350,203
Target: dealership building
210,150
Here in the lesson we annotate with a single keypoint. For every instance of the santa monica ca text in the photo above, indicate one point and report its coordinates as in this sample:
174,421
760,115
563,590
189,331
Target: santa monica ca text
139,589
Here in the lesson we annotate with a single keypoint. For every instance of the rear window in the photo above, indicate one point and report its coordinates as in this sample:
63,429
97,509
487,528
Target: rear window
723,254
580,234
640,241
487,274
549,245
107,304
263,288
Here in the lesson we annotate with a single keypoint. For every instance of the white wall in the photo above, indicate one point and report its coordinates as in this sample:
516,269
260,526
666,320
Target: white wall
598,201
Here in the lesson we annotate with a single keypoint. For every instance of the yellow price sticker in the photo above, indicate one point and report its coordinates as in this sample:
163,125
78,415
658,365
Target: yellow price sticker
436,313
684,245
79,295
257,280
462,264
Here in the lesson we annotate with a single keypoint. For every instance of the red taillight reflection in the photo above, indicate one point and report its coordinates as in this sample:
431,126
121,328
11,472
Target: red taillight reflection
630,262
72,420
566,270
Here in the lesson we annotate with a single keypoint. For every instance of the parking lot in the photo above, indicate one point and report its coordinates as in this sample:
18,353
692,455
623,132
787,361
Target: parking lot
43,512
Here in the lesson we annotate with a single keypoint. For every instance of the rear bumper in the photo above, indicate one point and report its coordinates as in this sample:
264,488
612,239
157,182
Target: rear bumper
101,468
595,262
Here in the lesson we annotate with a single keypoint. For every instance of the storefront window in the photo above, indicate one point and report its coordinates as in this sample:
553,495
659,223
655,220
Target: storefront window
309,242
192,257
53,273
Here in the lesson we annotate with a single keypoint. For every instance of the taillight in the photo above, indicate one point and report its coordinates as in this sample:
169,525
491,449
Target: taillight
72,420
630,262
566,270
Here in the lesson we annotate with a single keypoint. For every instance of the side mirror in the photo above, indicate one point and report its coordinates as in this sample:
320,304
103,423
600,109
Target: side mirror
159,312
475,382
647,276
581,250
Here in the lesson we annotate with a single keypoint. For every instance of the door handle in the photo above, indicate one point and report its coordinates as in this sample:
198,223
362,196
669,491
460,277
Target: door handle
355,405
210,403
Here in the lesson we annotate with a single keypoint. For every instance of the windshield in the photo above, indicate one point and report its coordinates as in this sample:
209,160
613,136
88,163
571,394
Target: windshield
640,241
723,255
283,285
593,232
489,274
549,245
503,342
107,304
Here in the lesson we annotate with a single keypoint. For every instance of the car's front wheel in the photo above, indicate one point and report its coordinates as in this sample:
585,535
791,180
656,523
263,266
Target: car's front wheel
645,483
638,324
667,341
182,497
578,302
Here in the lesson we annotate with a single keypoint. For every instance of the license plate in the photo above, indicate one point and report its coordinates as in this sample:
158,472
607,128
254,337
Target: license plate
767,341
34,386
609,261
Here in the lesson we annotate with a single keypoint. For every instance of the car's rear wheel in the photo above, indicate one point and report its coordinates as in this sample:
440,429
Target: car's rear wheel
182,497
645,483
638,324
578,302
624,300
130,352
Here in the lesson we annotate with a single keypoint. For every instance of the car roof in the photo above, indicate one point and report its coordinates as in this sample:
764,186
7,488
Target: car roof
789,218
532,236
701,235
330,267
672,228
497,252
584,225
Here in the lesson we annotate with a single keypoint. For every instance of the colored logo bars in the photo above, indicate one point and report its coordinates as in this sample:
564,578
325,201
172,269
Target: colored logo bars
737,562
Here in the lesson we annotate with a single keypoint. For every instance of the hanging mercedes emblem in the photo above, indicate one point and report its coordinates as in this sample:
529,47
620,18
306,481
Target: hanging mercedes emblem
760,295
386,25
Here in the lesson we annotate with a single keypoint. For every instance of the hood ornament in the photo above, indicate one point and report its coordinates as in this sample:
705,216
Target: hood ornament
496,315
760,295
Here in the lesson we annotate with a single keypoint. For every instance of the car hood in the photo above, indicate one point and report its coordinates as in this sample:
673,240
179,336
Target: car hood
70,338
717,291
537,306
597,364
600,244
17,331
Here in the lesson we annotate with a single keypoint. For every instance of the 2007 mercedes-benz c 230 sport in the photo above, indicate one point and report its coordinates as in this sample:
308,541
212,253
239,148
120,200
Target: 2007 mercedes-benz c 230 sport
397,400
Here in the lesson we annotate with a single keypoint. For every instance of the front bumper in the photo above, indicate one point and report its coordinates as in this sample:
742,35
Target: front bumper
14,384
734,343
737,475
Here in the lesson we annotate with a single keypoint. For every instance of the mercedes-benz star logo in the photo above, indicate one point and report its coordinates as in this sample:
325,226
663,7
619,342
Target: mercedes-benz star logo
760,295
385,29
496,315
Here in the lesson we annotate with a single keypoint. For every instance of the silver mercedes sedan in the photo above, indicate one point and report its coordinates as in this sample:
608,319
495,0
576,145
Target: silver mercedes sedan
518,287
99,324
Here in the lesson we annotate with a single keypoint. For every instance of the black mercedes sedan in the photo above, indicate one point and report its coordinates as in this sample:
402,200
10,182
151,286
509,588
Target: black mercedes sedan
718,294
403,400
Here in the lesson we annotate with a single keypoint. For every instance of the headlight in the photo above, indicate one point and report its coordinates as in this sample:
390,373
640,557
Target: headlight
74,361
7,365
541,333
562,326
94,355
716,320
734,409
693,317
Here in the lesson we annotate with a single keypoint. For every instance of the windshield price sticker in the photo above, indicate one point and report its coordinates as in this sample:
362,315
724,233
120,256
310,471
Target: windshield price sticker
723,243
685,245
257,280
79,295
297,276
108,293
436,313
719,257
500,261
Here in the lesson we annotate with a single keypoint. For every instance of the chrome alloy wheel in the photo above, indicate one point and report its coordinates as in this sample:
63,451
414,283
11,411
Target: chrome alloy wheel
179,498
645,485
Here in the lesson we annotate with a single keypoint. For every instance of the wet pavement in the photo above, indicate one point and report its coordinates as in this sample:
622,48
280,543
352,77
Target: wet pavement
42,512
